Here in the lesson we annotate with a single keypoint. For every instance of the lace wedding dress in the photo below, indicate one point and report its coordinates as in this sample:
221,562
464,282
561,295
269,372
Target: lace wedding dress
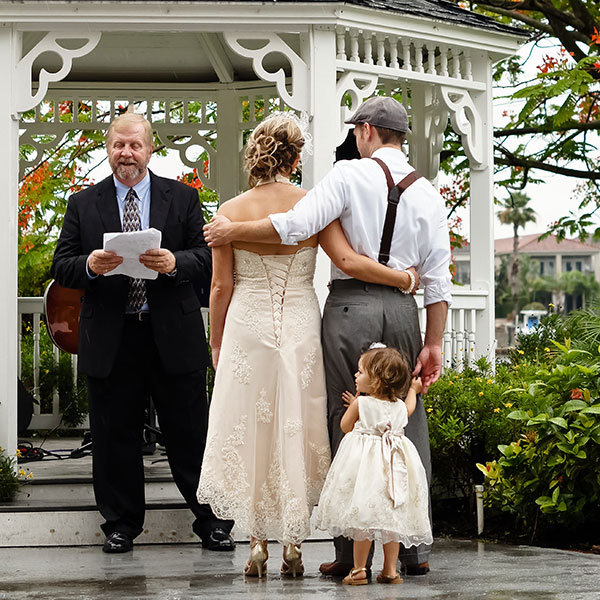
376,488
267,450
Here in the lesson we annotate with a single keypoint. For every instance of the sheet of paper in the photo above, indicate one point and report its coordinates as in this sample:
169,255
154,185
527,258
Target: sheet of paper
130,245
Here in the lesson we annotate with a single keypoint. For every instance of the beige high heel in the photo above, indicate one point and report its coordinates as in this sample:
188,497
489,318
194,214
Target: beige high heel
257,563
292,561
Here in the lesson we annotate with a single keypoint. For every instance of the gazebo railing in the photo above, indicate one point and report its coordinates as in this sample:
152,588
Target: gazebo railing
459,346
46,413
417,58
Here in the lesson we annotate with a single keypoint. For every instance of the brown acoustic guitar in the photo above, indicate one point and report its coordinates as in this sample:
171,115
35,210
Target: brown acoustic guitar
62,307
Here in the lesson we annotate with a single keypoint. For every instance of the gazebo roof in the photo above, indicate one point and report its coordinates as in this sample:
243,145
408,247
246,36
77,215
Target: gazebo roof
436,10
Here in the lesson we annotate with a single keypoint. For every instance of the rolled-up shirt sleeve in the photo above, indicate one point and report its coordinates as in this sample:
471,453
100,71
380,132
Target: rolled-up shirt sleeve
323,204
435,271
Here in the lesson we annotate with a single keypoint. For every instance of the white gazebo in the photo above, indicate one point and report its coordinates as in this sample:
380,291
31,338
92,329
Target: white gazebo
322,57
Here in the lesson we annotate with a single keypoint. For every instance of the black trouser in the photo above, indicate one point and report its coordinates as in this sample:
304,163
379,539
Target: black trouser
357,314
117,419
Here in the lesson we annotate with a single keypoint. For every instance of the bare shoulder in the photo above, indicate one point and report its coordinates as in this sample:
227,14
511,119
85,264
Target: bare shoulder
231,208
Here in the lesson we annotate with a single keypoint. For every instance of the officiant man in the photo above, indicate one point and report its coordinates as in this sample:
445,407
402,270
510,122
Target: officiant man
140,337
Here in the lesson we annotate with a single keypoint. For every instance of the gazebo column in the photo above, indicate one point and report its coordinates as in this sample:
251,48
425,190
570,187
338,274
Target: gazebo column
228,145
482,212
319,52
10,44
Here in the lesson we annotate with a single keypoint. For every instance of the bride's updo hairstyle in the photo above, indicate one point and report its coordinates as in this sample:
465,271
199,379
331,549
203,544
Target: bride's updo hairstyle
272,148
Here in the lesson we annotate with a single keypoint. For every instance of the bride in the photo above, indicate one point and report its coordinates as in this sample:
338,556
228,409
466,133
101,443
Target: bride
267,450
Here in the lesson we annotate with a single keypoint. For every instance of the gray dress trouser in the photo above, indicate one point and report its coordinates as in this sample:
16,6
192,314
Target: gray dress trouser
356,314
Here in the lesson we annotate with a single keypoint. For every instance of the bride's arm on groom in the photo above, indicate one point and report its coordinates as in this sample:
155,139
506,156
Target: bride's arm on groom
333,240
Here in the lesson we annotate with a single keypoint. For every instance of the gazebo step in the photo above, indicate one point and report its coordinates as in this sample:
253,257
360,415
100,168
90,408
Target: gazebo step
46,524
75,490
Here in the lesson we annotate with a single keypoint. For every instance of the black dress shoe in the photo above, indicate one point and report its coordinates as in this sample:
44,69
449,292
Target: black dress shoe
419,569
218,539
117,543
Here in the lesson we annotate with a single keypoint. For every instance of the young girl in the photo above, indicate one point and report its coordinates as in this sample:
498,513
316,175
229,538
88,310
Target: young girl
376,488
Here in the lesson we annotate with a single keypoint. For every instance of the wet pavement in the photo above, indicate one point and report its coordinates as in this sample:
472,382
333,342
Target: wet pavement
460,569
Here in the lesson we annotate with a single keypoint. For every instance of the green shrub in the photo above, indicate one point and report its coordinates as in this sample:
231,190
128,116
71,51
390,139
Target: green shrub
466,415
549,475
9,483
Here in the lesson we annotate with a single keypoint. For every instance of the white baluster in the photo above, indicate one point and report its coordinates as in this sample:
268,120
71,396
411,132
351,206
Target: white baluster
471,336
443,61
431,58
406,62
394,52
252,110
460,339
467,65
354,56
74,370
422,321
340,36
368,48
419,59
36,356
55,397
447,343
381,50
455,63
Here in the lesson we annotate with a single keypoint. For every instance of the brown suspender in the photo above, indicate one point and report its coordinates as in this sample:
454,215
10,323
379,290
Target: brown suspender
394,193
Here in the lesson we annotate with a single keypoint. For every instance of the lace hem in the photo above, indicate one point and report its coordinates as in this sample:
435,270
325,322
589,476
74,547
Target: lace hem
251,522
378,535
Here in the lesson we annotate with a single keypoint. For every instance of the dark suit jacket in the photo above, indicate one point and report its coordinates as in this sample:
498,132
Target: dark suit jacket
175,308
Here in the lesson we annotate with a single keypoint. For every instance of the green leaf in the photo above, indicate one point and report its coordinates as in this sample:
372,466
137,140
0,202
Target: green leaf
559,421
518,415
591,410
574,405
564,447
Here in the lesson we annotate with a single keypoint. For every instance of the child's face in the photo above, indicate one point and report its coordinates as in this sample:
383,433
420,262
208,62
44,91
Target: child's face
363,382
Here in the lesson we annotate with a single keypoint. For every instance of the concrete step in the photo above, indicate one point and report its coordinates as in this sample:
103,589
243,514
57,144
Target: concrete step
69,490
52,524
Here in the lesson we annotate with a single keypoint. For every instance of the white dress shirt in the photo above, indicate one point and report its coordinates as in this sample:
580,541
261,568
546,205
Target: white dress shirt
355,191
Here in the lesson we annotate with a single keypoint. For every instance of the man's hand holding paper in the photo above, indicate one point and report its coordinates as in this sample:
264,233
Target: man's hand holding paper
143,258
160,260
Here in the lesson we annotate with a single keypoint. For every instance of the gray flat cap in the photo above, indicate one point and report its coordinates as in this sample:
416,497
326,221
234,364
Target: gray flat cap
381,111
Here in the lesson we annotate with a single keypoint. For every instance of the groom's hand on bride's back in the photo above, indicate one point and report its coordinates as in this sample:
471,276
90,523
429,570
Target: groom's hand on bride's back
217,232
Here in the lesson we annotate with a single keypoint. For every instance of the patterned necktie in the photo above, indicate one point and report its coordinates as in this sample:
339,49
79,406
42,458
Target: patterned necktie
131,222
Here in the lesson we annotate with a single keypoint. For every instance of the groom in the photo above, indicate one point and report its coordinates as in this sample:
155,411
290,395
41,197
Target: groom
357,313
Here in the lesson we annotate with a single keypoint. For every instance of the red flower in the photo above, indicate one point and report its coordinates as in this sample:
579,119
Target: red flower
576,394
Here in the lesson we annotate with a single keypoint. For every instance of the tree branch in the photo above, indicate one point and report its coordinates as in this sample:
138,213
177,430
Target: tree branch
516,161
542,129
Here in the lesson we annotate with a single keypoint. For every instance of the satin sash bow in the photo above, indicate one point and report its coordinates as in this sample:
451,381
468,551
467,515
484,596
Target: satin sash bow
394,461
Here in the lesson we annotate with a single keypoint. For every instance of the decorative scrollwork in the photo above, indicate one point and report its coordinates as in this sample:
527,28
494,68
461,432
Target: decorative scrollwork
182,140
436,120
466,121
24,99
298,99
40,146
350,83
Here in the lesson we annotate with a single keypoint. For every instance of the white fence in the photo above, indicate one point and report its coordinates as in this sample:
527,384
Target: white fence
459,348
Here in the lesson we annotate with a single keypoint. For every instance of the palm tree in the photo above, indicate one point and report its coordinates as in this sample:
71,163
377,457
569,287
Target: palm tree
516,212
